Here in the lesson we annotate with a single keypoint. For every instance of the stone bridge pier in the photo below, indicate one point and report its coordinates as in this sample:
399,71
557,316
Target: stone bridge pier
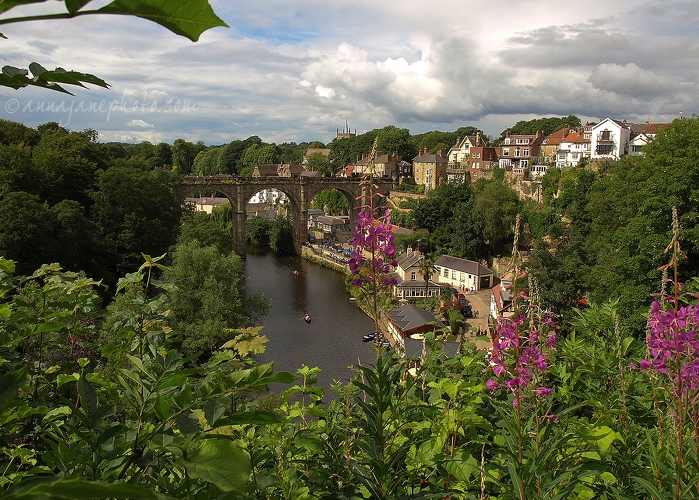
299,190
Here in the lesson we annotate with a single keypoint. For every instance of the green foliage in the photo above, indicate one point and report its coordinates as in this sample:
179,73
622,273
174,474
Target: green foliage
187,18
548,125
318,162
392,140
143,421
207,162
282,236
209,302
208,230
258,230
494,211
136,211
332,202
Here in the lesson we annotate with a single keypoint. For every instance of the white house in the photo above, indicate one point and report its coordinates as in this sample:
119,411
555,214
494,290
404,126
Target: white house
609,139
574,147
641,135
462,273
409,280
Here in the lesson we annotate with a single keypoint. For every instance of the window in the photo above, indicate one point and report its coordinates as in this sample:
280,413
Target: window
523,163
575,156
475,155
606,135
516,151
453,275
413,276
604,149
522,141
476,164
506,152
445,273
507,140
525,152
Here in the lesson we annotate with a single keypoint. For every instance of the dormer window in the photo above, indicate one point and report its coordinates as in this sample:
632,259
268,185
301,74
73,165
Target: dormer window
522,141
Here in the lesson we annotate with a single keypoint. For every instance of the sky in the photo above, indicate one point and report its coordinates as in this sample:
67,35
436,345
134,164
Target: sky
295,71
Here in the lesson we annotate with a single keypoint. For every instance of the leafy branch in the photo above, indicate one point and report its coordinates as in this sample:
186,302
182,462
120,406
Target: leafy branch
188,18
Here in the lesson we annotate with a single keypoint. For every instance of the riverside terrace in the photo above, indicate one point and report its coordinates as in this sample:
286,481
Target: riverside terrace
300,191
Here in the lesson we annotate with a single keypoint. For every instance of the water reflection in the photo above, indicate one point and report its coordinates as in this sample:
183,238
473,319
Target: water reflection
333,339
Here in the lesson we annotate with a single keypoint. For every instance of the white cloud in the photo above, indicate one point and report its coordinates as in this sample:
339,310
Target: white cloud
296,71
140,124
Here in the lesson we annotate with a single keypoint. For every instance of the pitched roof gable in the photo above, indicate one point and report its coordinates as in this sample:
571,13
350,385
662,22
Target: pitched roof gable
463,265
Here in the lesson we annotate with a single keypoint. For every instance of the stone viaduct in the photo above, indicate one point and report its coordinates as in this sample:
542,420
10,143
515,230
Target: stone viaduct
299,190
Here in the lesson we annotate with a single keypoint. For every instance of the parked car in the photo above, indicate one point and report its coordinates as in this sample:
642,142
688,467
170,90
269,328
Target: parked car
467,310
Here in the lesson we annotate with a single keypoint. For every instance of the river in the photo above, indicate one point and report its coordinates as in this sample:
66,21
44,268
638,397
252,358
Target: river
333,339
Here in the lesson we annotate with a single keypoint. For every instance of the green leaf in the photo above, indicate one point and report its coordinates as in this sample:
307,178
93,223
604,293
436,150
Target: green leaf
88,397
74,6
250,417
189,18
600,438
162,408
10,384
50,326
77,489
6,5
222,463
187,422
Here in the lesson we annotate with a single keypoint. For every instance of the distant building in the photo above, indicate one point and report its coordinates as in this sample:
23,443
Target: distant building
410,282
409,320
346,134
462,273
430,169
384,164
518,151
206,204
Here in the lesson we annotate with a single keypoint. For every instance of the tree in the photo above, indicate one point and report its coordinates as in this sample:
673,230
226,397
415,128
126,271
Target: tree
426,268
495,210
189,18
209,301
548,125
282,238
258,230
17,172
332,202
183,155
137,213
391,140
66,165
207,230
207,162
320,163
24,223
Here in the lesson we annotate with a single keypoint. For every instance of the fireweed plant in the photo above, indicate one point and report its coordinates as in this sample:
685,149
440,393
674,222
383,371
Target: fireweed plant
373,249
672,363
520,358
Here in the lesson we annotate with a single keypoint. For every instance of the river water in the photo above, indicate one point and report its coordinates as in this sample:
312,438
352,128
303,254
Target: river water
333,339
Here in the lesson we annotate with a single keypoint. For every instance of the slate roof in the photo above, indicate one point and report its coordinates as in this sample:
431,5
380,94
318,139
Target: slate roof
408,317
430,158
463,265
409,259
266,170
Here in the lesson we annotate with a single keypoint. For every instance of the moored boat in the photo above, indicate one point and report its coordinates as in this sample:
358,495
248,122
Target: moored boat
369,337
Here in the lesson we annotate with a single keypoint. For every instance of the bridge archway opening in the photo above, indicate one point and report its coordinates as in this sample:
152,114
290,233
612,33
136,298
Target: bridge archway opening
269,212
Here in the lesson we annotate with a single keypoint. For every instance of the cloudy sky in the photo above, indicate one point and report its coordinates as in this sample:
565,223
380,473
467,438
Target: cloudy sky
299,70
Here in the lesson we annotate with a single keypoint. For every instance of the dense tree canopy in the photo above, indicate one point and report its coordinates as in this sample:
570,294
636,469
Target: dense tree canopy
548,125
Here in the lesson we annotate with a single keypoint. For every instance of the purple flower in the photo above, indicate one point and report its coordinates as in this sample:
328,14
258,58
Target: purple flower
672,347
520,356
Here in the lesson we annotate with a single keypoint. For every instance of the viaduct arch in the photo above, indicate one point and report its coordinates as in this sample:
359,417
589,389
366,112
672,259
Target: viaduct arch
300,190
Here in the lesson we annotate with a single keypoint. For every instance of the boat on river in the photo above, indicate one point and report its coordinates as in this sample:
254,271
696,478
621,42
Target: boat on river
307,318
